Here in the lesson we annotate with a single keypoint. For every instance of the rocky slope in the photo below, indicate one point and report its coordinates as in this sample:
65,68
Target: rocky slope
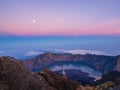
97,62
110,81
13,76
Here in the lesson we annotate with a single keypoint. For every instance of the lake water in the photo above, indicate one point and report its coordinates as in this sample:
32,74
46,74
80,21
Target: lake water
74,65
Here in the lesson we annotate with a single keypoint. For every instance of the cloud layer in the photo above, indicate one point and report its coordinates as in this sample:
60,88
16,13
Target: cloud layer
83,52
30,53
74,51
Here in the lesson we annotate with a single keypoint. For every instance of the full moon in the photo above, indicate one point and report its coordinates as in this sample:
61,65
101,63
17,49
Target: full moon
34,21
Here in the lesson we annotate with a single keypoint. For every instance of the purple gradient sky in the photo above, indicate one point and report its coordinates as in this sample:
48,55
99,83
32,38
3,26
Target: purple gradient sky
60,17
28,25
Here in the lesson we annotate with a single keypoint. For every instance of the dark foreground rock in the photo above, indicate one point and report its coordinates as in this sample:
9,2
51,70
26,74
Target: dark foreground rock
61,83
13,76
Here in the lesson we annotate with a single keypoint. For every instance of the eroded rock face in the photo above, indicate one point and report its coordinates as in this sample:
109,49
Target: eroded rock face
13,76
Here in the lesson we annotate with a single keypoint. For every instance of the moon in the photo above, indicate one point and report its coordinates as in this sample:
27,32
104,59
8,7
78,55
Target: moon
34,21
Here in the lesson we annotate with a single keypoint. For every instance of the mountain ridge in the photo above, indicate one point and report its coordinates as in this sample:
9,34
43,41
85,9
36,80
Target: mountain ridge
14,76
98,62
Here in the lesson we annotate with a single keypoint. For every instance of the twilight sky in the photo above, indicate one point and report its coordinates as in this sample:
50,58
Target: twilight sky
32,25
60,17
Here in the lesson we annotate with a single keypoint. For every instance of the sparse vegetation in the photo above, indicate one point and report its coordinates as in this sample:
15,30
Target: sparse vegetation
105,86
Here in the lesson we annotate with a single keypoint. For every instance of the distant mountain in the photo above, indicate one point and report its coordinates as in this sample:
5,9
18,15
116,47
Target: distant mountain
97,62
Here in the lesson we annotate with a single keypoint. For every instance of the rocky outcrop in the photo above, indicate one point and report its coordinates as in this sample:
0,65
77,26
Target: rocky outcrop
56,81
13,76
97,62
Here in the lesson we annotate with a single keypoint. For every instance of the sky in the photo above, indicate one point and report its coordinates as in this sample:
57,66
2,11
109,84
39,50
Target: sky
59,24
60,17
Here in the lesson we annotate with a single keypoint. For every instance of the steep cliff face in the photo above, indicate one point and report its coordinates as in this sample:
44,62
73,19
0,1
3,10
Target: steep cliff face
13,76
97,62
